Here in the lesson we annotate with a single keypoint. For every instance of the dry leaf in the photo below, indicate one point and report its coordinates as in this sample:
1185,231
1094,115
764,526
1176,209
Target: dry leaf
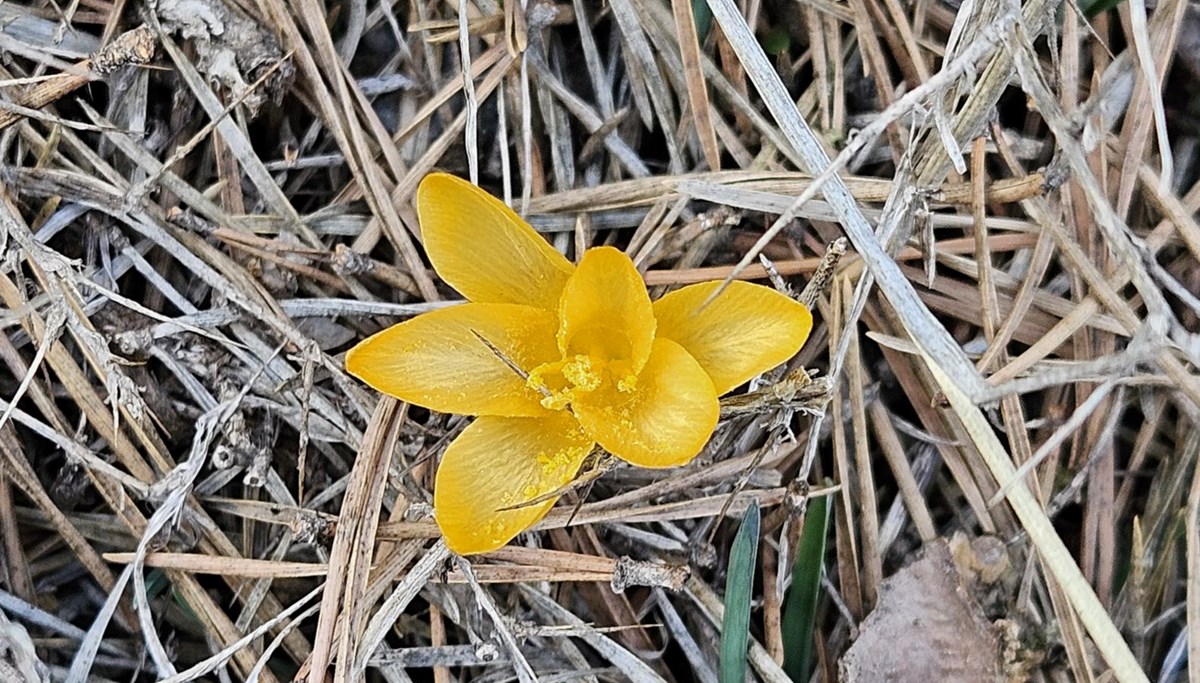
925,628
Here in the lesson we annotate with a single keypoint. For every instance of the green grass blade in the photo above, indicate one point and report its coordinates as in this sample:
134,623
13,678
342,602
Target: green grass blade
739,588
703,17
800,607
1091,8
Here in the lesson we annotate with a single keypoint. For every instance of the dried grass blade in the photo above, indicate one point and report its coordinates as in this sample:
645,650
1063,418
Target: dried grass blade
631,666
351,552
646,68
919,321
1045,538
238,143
689,52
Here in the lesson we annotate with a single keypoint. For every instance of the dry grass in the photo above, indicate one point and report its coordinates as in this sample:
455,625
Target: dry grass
193,487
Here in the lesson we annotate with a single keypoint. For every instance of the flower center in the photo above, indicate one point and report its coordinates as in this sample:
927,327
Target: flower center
595,358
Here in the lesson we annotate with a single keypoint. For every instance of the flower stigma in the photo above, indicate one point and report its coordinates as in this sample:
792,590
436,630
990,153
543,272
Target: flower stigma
591,361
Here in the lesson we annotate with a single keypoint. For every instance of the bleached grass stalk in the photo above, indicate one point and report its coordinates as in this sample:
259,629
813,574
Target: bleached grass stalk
471,132
1192,527
1130,250
917,318
1054,554
218,659
395,604
520,664
181,480
1141,44
630,665
1065,431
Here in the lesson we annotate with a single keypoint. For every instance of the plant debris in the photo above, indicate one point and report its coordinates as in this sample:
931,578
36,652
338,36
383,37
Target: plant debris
206,203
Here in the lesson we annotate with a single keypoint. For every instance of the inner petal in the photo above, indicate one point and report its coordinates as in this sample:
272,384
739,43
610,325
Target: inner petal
600,341
665,422
605,312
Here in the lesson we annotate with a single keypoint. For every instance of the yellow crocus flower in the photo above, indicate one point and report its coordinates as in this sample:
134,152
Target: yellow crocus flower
554,358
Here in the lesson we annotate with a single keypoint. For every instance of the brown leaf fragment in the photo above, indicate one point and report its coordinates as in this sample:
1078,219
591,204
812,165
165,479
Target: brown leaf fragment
925,628
232,48
133,47
130,48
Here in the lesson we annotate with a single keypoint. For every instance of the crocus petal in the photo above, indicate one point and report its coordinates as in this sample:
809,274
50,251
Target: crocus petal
438,359
606,313
484,249
502,462
748,329
665,421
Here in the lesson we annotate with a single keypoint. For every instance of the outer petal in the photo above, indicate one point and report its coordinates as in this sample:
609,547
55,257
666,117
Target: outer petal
605,312
665,421
746,330
501,462
437,361
484,249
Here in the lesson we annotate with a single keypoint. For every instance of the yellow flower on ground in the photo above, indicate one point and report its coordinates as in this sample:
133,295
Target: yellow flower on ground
555,358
